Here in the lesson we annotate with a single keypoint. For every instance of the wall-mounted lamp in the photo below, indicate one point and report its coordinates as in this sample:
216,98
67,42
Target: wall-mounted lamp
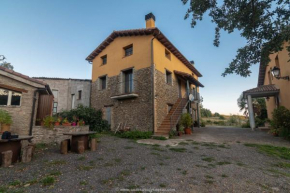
276,73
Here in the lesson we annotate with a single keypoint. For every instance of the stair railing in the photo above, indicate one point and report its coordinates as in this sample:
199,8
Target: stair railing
183,102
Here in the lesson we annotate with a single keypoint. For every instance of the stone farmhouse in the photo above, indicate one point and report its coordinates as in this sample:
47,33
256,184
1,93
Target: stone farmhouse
142,81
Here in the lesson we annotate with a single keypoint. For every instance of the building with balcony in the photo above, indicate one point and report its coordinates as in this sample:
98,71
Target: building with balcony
142,81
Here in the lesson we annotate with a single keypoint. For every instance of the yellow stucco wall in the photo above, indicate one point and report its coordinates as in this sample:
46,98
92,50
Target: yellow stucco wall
284,85
116,61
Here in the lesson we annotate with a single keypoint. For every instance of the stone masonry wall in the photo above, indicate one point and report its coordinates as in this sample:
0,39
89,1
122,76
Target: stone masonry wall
55,135
20,115
165,94
85,87
136,113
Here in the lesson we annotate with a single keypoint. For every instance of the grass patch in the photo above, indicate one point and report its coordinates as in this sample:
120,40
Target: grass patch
241,164
274,151
159,138
209,181
178,149
125,173
208,159
33,181
82,158
156,148
85,168
183,143
224,176
49,180
143,168
208,176
108,164
128,147
195,143
15,183
135,134
55,173
162,185
282,165
57,162
118,160
154,153
184,172
40,146
83,183
278,172
223,163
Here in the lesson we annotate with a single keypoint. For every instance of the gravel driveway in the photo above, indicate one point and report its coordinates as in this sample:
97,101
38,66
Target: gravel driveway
124,164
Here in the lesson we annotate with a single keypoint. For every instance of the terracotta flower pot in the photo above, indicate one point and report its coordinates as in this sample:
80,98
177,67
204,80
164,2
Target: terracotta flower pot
66,124
5,127
179,133
187,131
56,124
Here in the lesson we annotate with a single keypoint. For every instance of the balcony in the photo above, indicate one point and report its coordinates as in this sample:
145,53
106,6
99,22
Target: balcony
125,90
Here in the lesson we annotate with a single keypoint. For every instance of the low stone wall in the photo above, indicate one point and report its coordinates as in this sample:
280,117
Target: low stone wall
55,135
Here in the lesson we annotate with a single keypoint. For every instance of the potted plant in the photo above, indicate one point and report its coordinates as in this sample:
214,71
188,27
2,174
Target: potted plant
275,132
5,120
57,121
180,131
75,119
186,122
48,122
81,122
65,122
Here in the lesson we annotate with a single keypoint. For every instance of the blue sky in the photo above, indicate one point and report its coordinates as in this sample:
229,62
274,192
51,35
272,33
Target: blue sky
52,38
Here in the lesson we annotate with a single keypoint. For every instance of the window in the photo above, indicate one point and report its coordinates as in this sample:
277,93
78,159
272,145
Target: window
55,93
104,59
80,95
103,83
128,83
72,101
54,107
277,61
167,54
10,98
108,114
168,77
128,50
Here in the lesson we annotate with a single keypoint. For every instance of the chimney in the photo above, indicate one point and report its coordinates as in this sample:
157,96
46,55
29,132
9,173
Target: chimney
150,20
192,62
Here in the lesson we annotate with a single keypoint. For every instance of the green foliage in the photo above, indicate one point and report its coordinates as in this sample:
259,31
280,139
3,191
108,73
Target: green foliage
234,120
172,133
264,24
49,180
281,152
89,115
202,123
186,120
5,117
7,65
135,134
160,138
246,125
48,122
280,121
221,117
216,114
205,112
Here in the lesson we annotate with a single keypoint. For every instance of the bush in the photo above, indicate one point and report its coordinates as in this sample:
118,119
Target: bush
208,121
280,121
202,124
5,117
246,125
48,122
221,117
89,115
186,120
135,134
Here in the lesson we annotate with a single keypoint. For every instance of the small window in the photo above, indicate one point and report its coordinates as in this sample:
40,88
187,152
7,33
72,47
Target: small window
10,98
54,107
80,95
103,82
128,50
104,59
167,54
169,107
168,77
55,93
277,61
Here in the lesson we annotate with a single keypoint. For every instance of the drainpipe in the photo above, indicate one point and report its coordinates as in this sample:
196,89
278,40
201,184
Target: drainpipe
33,107
153,82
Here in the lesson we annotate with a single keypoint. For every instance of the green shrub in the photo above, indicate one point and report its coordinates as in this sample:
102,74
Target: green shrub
222,117
135,134
246,125
186,120
91,117
48,122
5,117
202,123
160,138
172,133
208,121
280,121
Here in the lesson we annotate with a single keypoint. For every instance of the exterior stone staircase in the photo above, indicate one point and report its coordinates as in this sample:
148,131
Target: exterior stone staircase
171,118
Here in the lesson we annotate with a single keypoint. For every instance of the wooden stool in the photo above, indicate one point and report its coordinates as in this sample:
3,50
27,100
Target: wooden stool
7,158
93,144
81,147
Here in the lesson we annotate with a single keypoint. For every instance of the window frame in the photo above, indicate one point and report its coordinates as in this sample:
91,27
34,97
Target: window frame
168,54
128,87
126,48
101,79
53,107
54,90
80,92
167,74
9,99
104,58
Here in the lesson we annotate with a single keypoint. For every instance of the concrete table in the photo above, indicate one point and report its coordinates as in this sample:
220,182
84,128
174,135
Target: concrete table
79,136
14,145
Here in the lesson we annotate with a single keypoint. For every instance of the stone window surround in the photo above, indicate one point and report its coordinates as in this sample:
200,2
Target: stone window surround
122,78
167,72
100,82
